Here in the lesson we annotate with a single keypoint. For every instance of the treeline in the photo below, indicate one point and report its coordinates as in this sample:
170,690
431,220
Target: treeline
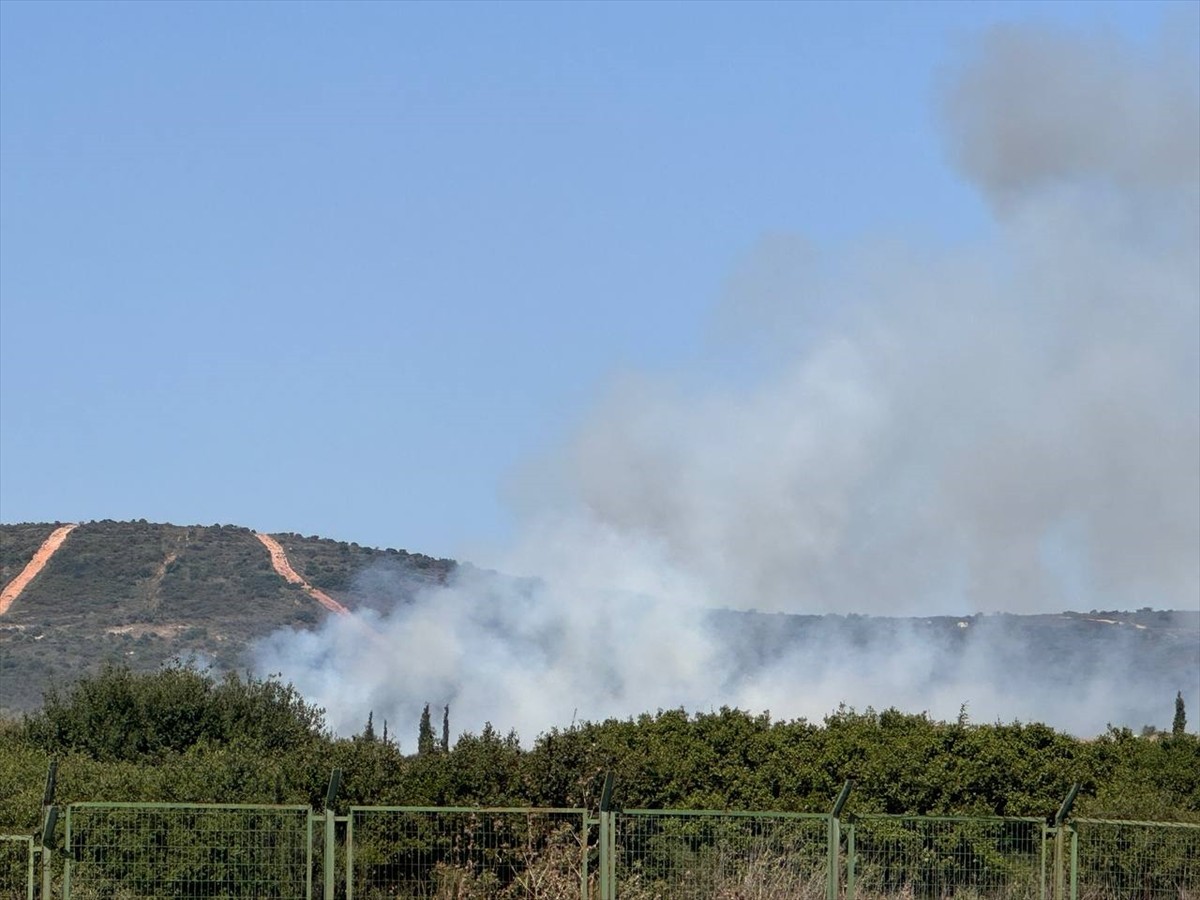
183,735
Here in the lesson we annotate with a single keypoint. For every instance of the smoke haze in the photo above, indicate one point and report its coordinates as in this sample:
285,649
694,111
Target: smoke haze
1007,427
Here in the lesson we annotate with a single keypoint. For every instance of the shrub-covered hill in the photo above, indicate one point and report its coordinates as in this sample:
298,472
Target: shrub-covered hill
144,593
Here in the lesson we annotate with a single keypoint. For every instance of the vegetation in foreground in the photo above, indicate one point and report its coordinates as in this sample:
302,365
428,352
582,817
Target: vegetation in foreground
185,735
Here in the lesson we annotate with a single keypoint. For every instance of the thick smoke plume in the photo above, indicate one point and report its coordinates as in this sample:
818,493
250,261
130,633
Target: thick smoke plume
1007,427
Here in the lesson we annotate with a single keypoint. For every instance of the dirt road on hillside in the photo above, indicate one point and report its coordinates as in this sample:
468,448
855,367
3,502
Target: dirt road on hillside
279,562
13,590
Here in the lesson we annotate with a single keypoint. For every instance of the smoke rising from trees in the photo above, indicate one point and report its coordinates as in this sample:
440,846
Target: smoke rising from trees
1011,426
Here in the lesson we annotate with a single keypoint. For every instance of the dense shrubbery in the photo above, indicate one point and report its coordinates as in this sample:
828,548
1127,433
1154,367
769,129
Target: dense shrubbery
123,716
184,735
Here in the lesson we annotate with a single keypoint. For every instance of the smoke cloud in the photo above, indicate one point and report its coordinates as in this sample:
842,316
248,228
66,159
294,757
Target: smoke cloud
1010,427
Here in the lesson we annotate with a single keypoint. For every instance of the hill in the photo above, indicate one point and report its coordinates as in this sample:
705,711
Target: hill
145,593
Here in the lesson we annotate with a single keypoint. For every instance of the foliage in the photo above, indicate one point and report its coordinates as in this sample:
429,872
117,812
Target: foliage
185,736
346,569
120,715
425,733
18,543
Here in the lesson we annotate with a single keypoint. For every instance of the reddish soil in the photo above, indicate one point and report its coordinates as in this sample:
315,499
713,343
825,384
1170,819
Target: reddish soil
13,590
279,562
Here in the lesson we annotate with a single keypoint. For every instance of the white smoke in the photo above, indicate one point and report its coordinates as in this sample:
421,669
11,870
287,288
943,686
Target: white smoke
1010,427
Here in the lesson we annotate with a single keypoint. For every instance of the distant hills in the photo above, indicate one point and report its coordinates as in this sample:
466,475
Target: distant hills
144,594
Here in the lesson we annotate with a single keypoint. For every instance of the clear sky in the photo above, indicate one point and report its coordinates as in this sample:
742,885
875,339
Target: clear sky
342,268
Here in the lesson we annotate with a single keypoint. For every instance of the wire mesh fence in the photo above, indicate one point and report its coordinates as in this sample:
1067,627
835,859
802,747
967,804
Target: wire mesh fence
926,858
229,852
708,855
17,858
405,853
1134,860
186,852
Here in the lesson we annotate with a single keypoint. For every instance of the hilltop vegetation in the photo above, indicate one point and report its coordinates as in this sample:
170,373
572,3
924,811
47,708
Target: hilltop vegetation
183,735
354,574
144,594
18,543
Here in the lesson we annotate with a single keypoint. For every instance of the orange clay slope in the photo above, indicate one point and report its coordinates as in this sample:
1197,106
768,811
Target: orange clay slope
13,589
281,565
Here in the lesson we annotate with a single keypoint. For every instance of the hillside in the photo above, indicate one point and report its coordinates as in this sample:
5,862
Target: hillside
147,593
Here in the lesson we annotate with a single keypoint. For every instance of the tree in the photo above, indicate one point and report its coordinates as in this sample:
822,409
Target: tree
119,714
446,729
1179,723
369,731
425,734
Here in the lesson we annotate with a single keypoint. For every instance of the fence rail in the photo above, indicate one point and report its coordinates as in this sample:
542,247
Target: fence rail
139,851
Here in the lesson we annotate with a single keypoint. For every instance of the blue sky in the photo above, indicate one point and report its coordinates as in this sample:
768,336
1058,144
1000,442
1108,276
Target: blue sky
342,268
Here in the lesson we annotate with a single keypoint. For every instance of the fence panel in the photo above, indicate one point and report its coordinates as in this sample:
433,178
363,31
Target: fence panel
405,853
165,851
930,858
17,867
1134,860
711,855
129,851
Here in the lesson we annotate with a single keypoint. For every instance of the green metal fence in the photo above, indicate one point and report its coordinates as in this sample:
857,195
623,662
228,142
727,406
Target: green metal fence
1117,860
709,855
18,857
467,854
127,851
167,851
929,858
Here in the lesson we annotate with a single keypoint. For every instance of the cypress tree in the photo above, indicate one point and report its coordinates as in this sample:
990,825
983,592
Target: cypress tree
425,733
446,729
1179,724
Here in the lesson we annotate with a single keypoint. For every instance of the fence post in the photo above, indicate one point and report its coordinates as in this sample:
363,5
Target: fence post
835,841
49,821
328,862
1060,818
834,838
47,854
608,868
